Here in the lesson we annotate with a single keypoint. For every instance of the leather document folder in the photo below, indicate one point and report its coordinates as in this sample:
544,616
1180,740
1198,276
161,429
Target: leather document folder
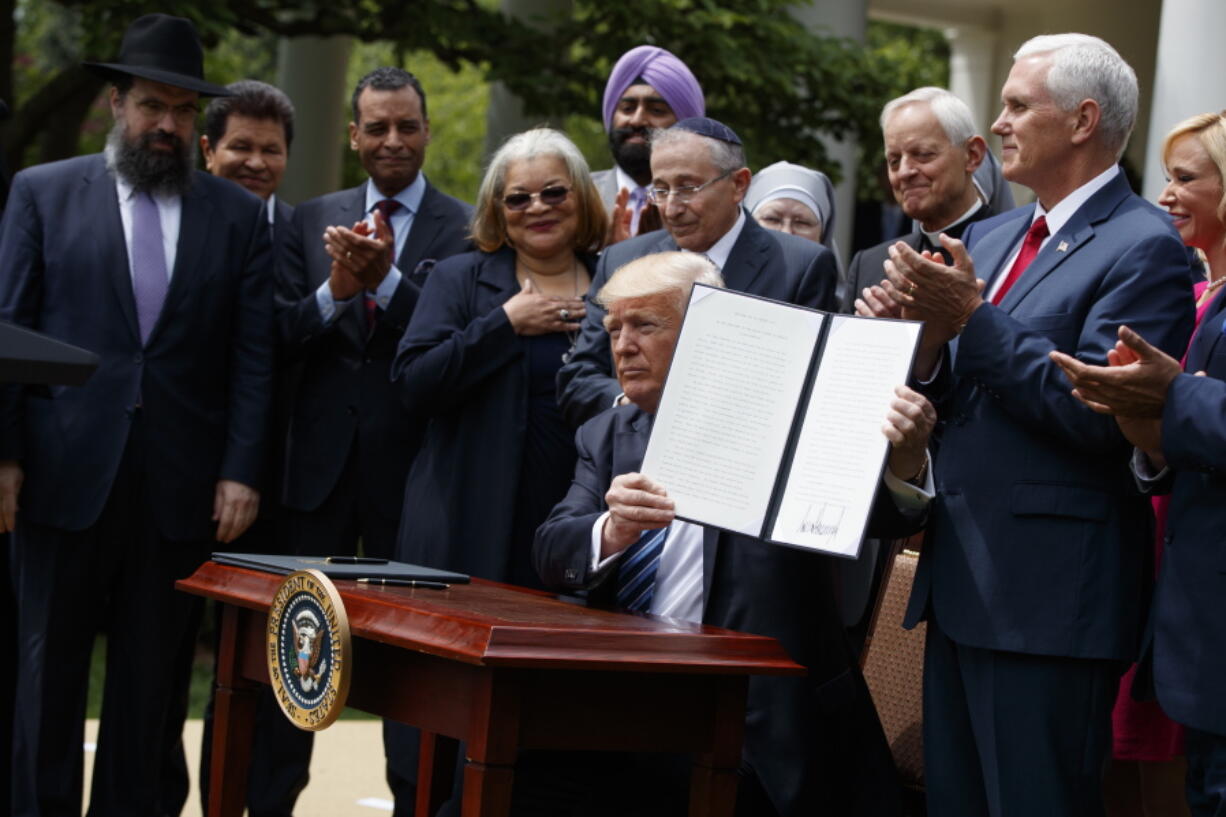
339,567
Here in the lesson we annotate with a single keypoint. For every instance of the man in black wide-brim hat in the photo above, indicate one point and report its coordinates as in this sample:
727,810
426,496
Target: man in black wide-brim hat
117,488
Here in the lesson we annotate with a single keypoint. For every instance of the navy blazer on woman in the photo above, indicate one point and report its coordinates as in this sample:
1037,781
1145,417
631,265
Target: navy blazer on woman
202,381
461,365
814,742
1039,539
1189,649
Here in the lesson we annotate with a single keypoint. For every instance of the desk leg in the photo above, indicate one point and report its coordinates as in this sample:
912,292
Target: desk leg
233,721
714,777
435,772
492,746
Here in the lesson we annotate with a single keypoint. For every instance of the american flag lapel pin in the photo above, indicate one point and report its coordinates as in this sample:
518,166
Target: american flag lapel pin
1063,246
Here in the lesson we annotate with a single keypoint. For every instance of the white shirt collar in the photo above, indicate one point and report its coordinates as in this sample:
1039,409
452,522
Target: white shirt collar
624,179
720,250
1059,215
271,206
932,237
126,192
409,198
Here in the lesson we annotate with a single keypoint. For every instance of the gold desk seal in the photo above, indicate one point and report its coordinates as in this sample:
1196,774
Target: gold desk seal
309,650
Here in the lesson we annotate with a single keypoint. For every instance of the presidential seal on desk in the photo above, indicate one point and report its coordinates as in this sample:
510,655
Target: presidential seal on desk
309,650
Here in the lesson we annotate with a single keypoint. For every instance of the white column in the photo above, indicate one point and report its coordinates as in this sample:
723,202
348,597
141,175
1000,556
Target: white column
312,72
972,58
505,115
1188,79
846,18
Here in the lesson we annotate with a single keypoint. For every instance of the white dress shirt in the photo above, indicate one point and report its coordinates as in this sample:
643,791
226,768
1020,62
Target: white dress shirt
170,213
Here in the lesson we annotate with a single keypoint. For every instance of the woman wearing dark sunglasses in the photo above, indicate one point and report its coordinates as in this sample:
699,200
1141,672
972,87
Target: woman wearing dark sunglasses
479,358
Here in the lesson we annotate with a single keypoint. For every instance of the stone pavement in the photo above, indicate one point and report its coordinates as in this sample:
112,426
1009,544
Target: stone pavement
346,770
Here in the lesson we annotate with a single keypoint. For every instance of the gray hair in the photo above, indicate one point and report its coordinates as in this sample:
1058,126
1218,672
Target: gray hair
1086,67
726,156
489,222
659,273
949,109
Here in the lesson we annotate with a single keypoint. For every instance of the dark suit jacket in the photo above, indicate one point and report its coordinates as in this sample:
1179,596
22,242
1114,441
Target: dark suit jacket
345,392
606,186
814,742
1039,539
762,262
466,370
867,267
203,380
1189,649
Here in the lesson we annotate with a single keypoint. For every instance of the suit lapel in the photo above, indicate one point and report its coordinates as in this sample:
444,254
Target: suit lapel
1207,336
630,445
747,258
427,223
992,253
606,187
1072,236
98,195
497,282
194,226
1059,247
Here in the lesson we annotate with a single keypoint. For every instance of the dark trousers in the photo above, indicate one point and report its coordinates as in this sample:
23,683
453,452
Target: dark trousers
1010,734
8,684
116,577
281,753
1206,773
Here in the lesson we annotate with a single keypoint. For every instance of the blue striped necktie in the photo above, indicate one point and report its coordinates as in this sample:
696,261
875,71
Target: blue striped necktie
636,576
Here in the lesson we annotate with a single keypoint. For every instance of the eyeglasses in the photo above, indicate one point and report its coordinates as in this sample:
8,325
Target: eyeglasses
660,195
550,197
154,110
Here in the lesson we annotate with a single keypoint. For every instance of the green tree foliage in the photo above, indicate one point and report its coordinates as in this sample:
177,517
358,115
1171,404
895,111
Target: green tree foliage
905,58
766,76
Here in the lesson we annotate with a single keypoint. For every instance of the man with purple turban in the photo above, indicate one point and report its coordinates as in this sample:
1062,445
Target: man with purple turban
648,88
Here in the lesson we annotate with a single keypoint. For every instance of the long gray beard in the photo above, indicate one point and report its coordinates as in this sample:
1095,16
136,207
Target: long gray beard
149,170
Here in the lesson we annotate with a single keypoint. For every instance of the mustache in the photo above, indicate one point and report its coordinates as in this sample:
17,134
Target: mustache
170,140
620,135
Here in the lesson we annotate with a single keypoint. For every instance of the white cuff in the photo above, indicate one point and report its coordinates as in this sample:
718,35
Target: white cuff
910,497
596,563
329,307
1144,469
387,287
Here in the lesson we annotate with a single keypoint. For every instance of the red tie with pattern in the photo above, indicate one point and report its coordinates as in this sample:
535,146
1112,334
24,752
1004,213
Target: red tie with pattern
1030,248
386,207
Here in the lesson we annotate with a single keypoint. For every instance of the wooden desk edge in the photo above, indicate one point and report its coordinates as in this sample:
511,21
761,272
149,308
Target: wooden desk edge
523,645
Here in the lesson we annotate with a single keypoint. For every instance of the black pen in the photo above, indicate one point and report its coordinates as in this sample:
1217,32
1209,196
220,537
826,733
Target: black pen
406,583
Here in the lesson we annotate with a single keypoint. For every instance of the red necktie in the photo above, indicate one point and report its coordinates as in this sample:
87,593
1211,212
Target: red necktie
1030,248
386,207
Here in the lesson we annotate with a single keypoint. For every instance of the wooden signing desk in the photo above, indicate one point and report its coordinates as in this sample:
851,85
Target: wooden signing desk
503,669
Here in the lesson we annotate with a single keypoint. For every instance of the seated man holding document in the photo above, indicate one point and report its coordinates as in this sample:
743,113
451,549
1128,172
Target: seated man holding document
813,745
